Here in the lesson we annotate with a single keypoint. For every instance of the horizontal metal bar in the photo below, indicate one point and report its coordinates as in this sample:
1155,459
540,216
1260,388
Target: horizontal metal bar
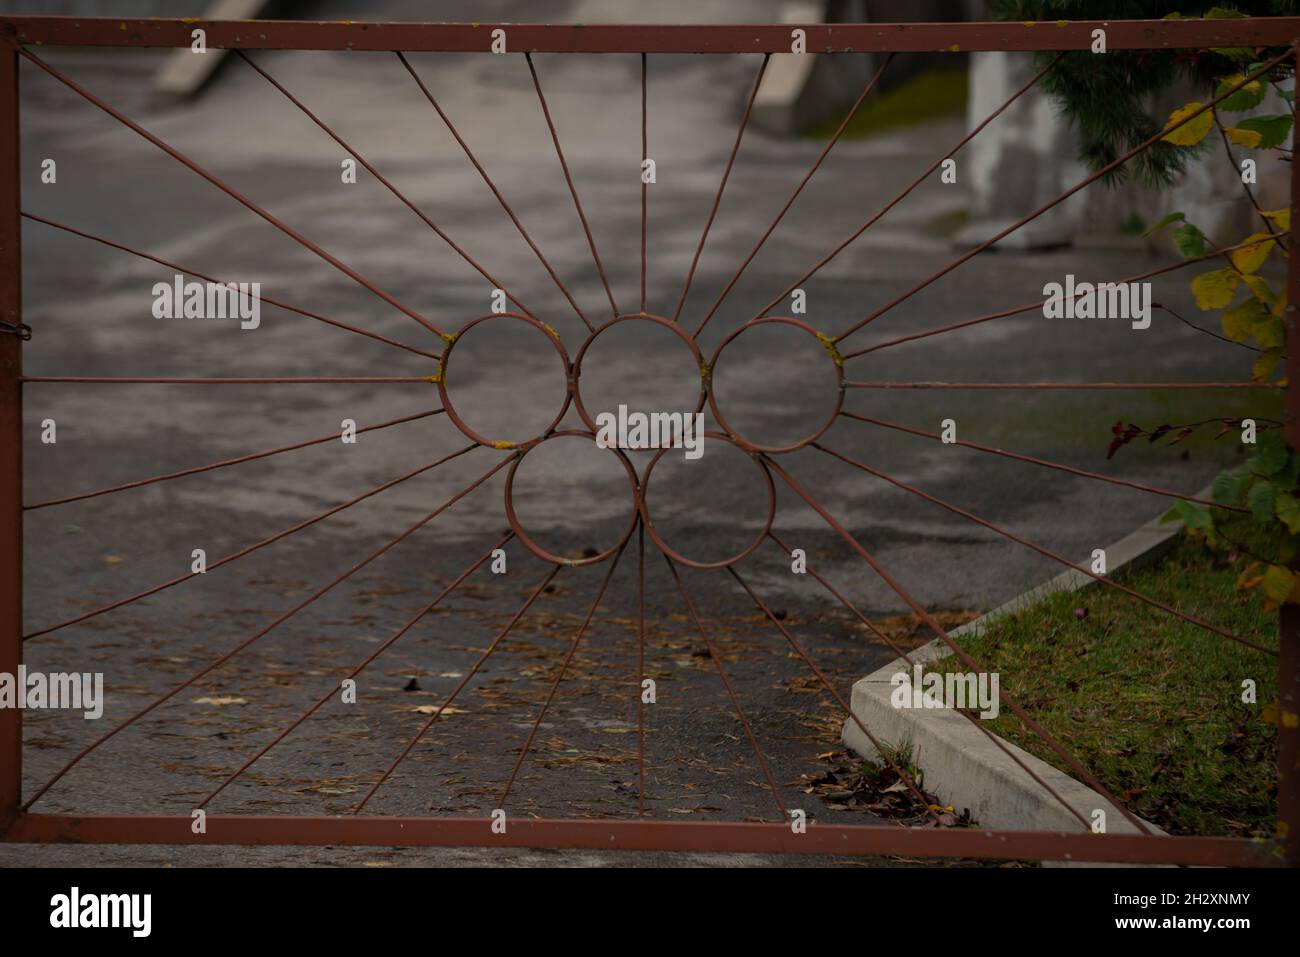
648,38
1067,386
643,835
243,380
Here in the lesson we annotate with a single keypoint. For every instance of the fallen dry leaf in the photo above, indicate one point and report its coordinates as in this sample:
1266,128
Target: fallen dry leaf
433,709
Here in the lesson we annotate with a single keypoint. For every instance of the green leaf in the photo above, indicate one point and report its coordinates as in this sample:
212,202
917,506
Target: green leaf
1247,98
1270,331
1240,321
1278,582
1171,218
1229,487
1190,241
1272,129
1262,499
1288,509
1286,479
1190,514
1270,456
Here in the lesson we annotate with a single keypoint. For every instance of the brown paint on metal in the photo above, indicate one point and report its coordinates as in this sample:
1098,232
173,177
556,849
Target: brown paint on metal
1067,386
1288,733
1291,430
11,432
657,38
1288,665
645,835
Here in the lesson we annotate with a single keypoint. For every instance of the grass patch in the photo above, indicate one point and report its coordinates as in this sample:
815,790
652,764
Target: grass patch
930,95
1148,703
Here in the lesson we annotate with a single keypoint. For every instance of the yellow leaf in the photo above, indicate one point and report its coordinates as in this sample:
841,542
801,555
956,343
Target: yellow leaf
1248,259
1247,138
1214,290
1240,320
1191,132
1250,577
1280,216
1263,367
1260,287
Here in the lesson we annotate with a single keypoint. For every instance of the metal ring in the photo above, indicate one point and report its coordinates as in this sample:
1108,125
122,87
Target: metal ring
575,377
824,341
551,335
532,545
644,507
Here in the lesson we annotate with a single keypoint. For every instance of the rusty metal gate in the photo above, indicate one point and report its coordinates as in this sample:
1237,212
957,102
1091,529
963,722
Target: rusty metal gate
23,39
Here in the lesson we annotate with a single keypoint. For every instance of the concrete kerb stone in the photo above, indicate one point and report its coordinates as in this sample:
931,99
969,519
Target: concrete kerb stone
962,766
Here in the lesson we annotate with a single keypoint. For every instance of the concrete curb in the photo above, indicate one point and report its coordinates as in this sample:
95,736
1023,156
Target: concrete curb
183,74
777,105
961,765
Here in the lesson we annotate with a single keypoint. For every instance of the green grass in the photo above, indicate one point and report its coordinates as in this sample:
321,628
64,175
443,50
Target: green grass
1150,704
931,95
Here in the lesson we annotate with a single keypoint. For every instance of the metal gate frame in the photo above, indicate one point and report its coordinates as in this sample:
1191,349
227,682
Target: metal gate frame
17,824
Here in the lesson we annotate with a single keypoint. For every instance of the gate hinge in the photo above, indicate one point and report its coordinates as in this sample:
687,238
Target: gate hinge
21,330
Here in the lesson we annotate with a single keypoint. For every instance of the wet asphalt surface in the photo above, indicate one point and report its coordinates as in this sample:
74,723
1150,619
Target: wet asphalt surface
90,307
